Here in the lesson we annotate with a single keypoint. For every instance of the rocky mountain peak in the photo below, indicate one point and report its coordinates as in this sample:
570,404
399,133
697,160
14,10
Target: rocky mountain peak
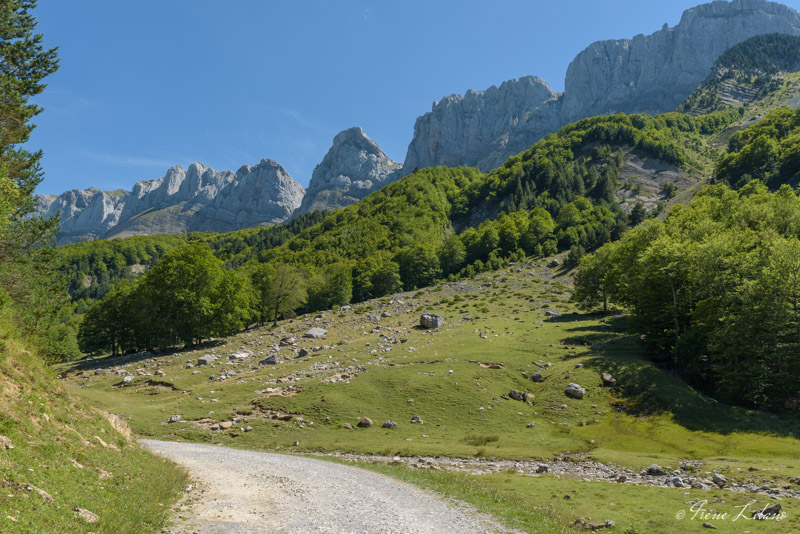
655,73
353,167
484,128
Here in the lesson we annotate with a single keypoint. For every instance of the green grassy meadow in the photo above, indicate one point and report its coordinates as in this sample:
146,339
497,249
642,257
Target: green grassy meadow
378,364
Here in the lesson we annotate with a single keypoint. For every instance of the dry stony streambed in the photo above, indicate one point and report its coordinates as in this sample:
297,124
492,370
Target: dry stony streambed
689,475
243,492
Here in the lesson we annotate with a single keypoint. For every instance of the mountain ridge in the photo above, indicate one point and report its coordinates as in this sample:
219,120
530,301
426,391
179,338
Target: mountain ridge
648,74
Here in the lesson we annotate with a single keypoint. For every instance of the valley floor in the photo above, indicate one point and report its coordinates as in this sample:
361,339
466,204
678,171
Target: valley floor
461,428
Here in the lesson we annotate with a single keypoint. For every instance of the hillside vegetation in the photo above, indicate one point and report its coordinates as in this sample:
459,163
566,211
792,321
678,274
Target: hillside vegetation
713,290
501,329
747,73
562,194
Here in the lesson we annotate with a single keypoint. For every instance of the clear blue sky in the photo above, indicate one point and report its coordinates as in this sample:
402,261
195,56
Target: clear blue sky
148,84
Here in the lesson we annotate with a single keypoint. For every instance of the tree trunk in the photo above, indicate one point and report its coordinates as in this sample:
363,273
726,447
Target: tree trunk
675,316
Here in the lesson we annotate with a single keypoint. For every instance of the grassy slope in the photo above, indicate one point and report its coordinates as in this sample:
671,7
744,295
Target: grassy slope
58,449
662,421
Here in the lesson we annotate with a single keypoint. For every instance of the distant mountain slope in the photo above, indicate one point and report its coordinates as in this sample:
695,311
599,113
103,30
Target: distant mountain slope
354,167
647,74
746,73
196,199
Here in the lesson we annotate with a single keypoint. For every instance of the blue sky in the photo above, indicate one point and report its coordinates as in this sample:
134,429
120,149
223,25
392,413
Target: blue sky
148,84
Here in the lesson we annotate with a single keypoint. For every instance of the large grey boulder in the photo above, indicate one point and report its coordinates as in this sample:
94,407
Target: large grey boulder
431,320
575,391
315,333
354,167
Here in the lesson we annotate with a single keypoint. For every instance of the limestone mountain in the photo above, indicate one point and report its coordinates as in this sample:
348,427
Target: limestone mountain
196,199
353,167
483,128
647,74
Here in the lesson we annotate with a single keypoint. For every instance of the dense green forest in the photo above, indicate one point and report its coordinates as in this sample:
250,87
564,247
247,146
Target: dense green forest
714,290
768,54
93,268
768,151
558,195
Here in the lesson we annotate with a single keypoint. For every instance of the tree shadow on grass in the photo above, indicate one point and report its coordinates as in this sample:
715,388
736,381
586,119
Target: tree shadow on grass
643,388
106,362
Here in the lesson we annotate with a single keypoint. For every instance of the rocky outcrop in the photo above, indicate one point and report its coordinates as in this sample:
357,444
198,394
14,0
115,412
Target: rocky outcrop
196,199
354,167
655,73
484,128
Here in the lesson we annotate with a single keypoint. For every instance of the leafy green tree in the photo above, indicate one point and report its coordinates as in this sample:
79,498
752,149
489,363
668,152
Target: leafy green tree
281,290
452,255
182,288
25,63
419,266
332,287
232,303
385,279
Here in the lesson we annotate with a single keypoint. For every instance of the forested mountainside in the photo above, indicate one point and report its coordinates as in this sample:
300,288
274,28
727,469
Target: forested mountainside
564,193
647,74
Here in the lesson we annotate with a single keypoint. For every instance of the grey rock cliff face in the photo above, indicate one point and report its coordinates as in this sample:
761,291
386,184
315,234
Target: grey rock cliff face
354,167
198,198
655,73
484,128
646,74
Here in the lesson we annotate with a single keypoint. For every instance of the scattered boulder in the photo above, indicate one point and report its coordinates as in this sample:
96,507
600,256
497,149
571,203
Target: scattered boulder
608,380
239,356
719,480
365,422
215,426
551,313
206,360
225,425
542,468
5,443
706,524
575,391
417,420
770,512
554,263
531,424
174,418
654,470
431,320
388,424
622,479
315,333
272,359
295,443
128,379
536,377
303,352
248,428
347,426
86,515
42,493
516,395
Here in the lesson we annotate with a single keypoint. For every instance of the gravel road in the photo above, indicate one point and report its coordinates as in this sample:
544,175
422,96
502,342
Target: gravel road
256,492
